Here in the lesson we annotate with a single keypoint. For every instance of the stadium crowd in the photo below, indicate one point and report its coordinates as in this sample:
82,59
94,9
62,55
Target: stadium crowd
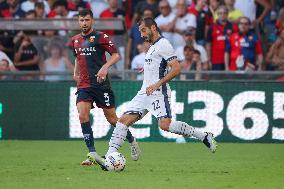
207,34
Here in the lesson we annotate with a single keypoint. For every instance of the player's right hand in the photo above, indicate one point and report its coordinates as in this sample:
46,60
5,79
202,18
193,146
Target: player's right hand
76,78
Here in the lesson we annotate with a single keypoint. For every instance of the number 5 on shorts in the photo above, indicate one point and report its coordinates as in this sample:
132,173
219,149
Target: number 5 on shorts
106,99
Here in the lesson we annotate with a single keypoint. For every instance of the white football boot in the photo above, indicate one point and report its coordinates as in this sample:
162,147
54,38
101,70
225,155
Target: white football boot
210,142
135,150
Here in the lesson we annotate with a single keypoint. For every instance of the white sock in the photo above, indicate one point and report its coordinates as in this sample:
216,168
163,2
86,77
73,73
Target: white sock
182,128
117,138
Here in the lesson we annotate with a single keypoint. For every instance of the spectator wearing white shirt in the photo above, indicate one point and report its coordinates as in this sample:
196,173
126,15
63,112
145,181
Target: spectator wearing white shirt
165,19
138,61
28,5
98,6
4,57
189,38
182,21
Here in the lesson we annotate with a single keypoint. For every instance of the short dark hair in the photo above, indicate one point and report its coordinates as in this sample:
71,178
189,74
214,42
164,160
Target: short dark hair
148,22
39,5
60,3
85,12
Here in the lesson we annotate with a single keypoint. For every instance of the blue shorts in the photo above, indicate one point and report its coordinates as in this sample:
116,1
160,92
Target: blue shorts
103,97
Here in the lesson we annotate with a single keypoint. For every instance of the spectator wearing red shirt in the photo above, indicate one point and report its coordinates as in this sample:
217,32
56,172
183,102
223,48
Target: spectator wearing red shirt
217,34
243,49
14,10
115,12
77,5
201,20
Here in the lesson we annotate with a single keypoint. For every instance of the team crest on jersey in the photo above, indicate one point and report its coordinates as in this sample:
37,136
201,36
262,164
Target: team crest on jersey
105,36
92,39
229,31
76,41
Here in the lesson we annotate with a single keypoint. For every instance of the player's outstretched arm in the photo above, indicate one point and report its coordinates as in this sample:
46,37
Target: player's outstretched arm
174,71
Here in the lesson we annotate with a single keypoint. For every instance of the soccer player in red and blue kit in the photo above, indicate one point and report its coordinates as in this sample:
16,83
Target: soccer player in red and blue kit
243,48
91,75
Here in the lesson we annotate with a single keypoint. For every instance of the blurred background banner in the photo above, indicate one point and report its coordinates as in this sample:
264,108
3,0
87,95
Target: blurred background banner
236,111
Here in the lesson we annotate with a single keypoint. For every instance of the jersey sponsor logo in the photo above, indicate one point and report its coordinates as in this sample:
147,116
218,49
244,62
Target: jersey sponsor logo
148,61
244,44
85,51
221,38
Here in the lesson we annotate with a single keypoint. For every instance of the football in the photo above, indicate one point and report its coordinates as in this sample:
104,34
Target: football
115,162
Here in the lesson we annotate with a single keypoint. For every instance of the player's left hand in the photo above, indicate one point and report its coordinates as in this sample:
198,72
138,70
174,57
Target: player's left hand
102,74
152,88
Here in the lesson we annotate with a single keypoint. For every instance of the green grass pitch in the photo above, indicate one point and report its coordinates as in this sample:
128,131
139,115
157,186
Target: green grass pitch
56,164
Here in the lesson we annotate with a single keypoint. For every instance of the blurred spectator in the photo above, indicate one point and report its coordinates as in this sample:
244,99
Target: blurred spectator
4,57
28,5
39,10
275,56
114,12
4,67
201,19
165,19
98,6
147,4
138,61
60,10
26,56
182,21
217,34
3,5
234,14
135,38
189,38
77,5
56,62
213,6
248,8
192,61
243,49
14,10
6,43
30,14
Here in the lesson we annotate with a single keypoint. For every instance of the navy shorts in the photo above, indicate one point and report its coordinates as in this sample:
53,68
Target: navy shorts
103,97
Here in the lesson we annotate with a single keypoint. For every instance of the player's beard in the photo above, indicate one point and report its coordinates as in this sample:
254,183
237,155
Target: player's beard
148,38
86,30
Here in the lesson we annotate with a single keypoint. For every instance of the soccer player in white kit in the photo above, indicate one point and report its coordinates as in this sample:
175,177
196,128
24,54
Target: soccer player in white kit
154,96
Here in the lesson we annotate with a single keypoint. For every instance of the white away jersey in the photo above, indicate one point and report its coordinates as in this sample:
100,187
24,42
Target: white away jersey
156,61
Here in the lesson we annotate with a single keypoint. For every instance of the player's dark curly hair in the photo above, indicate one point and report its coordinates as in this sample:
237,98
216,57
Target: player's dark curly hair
148,22
85,12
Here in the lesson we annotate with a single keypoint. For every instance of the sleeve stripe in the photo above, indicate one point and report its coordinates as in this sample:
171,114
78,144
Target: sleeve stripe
171,58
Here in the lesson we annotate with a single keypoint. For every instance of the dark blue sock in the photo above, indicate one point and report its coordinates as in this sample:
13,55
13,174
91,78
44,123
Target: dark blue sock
129,137
88,136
